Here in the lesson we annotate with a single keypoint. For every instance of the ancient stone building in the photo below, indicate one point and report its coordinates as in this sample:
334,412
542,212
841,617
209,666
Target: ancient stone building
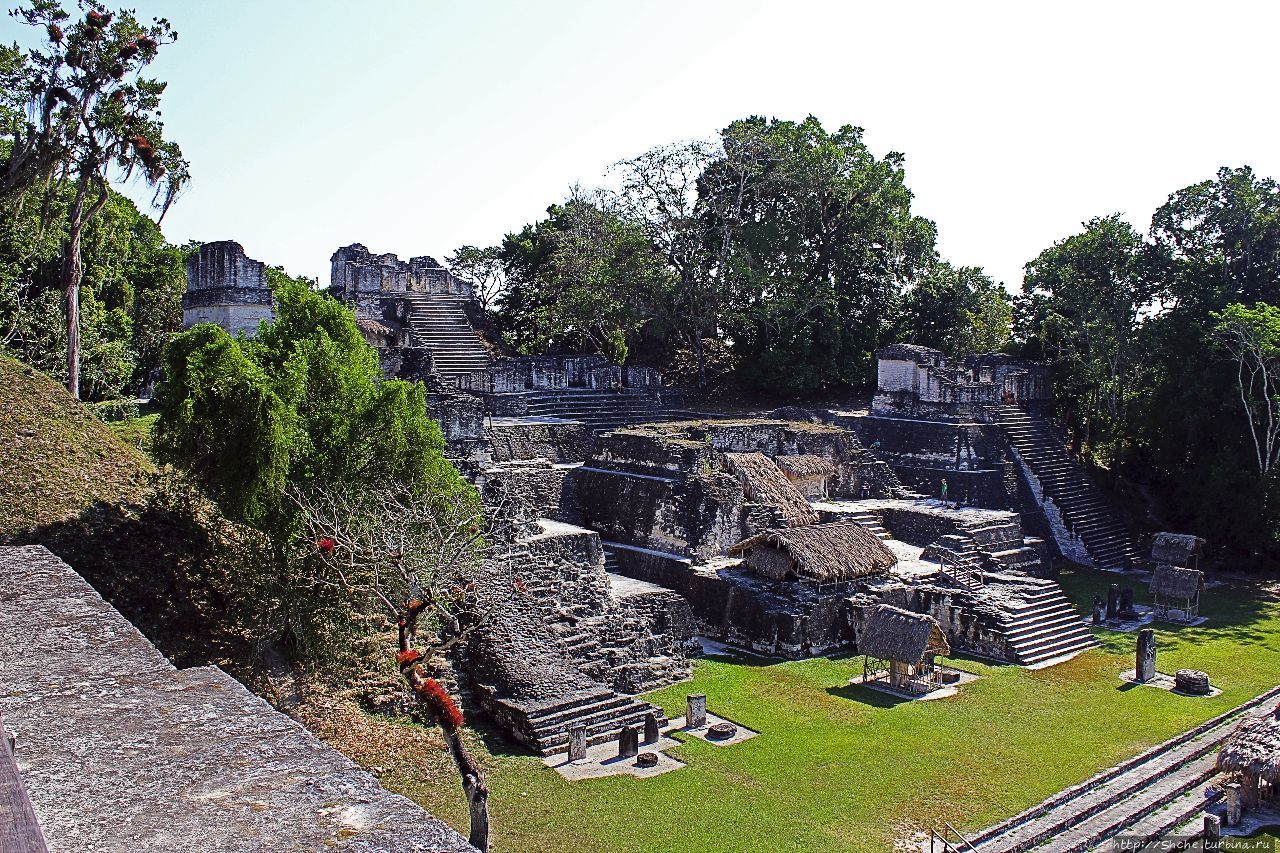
227,288
980,432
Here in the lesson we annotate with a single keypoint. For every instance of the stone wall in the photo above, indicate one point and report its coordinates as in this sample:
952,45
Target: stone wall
121,751
227,288
566,442
735,606
355,271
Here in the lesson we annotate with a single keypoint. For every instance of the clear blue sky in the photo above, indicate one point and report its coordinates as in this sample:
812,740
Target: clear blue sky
415,127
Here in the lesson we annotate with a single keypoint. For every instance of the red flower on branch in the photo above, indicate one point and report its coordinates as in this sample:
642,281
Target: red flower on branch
407,657
325,545
433,693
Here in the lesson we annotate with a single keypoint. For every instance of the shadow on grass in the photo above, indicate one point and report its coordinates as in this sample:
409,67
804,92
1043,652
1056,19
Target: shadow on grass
868,696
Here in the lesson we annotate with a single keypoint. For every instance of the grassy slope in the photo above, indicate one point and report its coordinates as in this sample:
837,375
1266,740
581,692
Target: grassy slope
845,768
150,544
56,458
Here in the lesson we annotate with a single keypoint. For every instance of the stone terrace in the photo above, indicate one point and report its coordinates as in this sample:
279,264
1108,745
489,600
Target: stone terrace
120,751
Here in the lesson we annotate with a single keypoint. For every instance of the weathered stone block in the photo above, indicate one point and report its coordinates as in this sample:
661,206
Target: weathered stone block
628,742
1146,655
696,710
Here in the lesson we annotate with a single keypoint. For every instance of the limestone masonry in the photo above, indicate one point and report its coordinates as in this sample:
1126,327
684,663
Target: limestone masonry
120,751
227,288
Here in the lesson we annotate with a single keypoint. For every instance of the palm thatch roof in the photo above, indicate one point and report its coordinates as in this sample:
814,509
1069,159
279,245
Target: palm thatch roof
895,634
827,553
1175,549
802,465
764,484
1254,748
1176,582
372,327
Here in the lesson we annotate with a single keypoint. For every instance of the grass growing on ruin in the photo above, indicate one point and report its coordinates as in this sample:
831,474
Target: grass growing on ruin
846,768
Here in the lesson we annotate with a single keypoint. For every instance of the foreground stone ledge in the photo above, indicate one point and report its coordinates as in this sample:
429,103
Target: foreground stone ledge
119,751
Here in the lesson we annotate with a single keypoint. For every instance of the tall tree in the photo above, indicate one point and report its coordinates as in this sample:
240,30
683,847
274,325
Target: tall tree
823,243
583,279
91,116
1084,297
958,310
1251,336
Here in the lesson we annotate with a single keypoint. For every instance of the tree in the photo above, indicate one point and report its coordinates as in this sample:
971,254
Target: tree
90,113
483,268
1223,237
1252,338
1083,300
817,240
130,297
417,560
295,433
658,190
958,310
583,279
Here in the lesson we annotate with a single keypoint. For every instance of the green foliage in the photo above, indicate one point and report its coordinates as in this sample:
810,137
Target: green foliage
582,280
824,238
223,421
299,409
958,310
1135,330
1082,306
130,300
783,249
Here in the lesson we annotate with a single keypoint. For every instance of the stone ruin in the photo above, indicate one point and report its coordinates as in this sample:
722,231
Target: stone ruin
227,288
630,535
981,427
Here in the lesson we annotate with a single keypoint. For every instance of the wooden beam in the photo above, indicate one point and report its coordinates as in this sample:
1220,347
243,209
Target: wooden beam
19,830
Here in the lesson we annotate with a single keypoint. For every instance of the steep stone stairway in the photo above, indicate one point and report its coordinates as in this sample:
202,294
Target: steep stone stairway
1081,502
1045,625
441,323
601,409
1143,798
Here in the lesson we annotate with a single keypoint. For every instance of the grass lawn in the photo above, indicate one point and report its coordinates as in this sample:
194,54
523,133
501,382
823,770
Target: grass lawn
848,768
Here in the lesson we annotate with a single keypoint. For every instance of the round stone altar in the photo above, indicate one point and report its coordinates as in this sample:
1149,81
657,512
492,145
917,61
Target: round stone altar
722,731
1191,681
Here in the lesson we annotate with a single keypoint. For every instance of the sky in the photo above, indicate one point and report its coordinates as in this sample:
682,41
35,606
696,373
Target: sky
418,127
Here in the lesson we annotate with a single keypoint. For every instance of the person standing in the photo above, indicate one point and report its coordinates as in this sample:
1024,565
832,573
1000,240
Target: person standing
944,490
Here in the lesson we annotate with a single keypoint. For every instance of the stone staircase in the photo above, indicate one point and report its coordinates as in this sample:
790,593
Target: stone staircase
1083,505
1142,799
871,520
604,712
441,323
961,560
1045,625
601,409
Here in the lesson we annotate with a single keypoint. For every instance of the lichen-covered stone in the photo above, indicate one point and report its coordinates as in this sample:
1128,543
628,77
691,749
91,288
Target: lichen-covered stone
119,751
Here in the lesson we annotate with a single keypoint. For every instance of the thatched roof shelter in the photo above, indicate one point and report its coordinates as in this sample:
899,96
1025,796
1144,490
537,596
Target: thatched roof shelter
900,635
1175,582
805,466
764,484
1253,749
826,553
1177,549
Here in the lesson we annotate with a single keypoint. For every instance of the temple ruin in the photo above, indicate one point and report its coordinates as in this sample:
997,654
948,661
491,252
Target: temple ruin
227,288
633,532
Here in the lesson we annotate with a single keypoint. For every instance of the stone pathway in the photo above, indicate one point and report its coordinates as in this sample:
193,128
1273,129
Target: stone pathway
1148,795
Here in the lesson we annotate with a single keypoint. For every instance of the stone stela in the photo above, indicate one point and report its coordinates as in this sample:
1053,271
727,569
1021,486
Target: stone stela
1146,655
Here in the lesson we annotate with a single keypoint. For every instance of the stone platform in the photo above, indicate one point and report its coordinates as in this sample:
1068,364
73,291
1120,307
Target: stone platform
120,751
